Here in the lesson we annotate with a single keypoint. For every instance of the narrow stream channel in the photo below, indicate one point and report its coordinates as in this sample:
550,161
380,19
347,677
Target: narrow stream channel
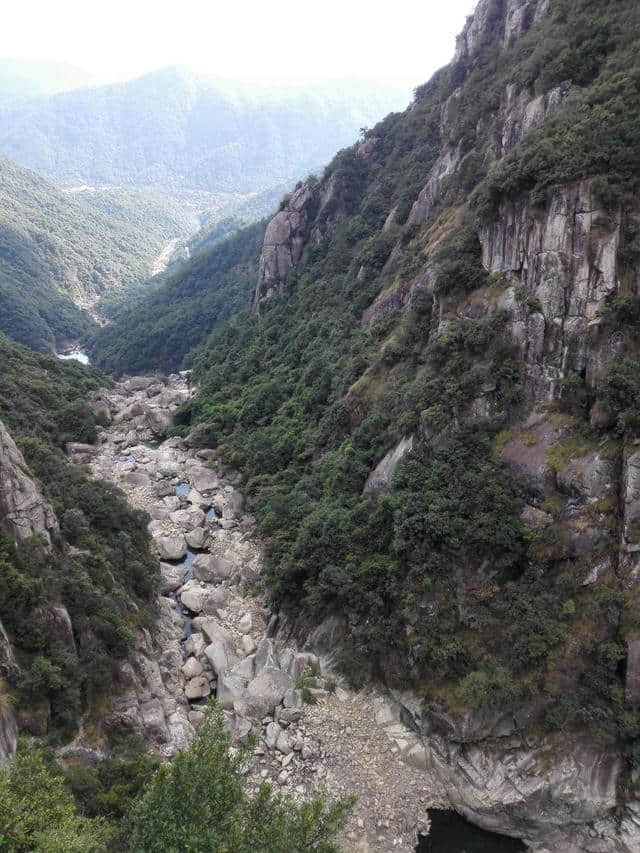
181,491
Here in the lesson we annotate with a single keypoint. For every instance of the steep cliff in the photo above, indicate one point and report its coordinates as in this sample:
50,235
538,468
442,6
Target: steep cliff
23,510
77,578
437,405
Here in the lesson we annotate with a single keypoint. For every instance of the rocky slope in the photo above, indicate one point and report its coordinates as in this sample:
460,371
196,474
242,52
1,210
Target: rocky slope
212,638
436,407
23,510
554,270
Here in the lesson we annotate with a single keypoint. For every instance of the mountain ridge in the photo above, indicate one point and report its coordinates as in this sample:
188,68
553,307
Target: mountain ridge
435,407
173,130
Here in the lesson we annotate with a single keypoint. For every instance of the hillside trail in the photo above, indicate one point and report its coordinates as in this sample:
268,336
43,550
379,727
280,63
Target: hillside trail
214,637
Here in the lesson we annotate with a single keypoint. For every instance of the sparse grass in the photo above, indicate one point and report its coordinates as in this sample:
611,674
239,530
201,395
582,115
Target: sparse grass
573,446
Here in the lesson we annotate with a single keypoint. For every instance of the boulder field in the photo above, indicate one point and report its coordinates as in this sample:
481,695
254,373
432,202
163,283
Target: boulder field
214,637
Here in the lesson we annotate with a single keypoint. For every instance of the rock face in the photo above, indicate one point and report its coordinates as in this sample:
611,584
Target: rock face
513,17
23,511
10,671
312,212
497,781
8,732
284,240
568,267
380,478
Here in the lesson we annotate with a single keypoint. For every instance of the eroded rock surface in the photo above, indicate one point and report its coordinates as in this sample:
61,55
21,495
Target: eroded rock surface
23,510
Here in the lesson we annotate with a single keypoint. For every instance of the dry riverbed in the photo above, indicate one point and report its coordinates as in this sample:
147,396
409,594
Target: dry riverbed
212,637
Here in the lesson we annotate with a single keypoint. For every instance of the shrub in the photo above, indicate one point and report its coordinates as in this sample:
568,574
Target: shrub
458,263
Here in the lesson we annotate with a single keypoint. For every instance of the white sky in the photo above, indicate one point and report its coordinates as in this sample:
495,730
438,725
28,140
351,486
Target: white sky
404,40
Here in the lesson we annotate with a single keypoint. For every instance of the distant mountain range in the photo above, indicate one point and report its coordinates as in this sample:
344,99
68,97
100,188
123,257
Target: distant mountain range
175,131
22,79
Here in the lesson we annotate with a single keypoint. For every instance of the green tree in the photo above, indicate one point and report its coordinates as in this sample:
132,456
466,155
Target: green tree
38,812
198,804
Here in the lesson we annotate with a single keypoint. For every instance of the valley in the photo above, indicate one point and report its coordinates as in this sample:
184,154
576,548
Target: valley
215,637
320,525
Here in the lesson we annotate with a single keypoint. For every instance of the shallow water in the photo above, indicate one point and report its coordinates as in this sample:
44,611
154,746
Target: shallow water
74,355
451,833
182,490
186,561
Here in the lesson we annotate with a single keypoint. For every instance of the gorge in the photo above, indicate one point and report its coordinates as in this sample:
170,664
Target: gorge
366,472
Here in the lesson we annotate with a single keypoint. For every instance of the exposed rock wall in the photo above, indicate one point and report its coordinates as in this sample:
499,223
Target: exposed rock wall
564,264
513,17
23,510
312,213
8,733
555,792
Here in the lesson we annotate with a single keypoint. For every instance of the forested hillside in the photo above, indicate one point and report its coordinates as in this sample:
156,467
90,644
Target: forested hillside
158,328
436,397
43,405
60,251
176,132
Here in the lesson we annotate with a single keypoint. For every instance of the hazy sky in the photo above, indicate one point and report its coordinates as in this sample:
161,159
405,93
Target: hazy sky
402,39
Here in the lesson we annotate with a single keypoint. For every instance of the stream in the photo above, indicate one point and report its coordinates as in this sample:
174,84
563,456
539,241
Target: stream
75,354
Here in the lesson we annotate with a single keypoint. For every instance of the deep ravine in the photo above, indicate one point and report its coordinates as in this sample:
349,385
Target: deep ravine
213,637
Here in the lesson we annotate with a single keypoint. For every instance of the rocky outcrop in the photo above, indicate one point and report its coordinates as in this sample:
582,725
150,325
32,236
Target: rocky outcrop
284,241
308,216
509,19
56,623
8,731
524,111
9,671
23,510
561,268
426,204
379,480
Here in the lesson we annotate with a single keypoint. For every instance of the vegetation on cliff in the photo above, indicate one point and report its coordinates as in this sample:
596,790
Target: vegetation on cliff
309,396
43,404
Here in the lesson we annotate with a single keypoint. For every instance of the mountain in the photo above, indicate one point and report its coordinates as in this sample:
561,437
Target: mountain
174,131
59,252
22,79
73,554
436,403
158,327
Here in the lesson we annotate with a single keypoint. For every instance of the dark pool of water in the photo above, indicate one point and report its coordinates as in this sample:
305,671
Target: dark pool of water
185,562
451,833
